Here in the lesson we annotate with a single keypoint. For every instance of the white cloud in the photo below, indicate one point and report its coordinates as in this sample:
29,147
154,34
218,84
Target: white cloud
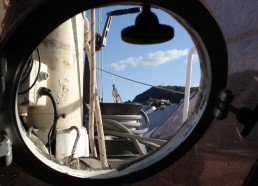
195,84
195,58
151,59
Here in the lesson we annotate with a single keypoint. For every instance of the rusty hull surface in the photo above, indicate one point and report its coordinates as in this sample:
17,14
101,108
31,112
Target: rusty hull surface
222,156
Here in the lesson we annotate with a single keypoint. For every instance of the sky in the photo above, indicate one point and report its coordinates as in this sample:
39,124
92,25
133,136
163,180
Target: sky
159,64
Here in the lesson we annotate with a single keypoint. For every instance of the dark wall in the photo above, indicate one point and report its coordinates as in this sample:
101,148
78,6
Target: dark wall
223,156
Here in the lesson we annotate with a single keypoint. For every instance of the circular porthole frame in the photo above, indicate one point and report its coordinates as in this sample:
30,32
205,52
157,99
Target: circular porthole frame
35,25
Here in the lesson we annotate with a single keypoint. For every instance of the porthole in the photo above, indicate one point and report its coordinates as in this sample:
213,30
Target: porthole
29,44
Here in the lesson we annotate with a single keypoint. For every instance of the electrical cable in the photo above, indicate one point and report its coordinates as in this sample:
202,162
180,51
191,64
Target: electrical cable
37,76
27,72
52,132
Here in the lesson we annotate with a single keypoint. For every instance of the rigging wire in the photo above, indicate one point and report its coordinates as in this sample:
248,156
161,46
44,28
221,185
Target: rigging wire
111,73
100,57
115,93
158,87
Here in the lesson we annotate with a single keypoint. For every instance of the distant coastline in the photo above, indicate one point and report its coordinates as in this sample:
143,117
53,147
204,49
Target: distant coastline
159,93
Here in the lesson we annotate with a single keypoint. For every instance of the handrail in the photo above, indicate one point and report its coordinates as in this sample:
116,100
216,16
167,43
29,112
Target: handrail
188,84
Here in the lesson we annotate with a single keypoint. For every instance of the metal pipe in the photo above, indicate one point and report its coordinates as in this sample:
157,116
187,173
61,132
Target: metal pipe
75,142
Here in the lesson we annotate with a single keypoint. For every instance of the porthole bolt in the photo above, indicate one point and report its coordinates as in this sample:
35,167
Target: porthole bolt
245,116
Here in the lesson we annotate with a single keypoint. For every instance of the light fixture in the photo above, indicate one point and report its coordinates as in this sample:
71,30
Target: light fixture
147,29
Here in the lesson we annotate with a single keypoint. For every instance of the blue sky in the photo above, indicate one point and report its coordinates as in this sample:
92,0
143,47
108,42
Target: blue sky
160,64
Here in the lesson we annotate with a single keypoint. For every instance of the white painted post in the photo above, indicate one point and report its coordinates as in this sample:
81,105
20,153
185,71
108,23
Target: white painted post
188,84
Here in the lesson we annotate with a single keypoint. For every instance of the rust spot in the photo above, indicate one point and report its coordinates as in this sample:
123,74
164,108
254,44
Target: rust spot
66,62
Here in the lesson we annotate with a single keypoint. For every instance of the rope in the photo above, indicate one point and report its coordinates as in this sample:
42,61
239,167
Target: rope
92,85
123,129
127,126
123,120
94,101
142,139
101,56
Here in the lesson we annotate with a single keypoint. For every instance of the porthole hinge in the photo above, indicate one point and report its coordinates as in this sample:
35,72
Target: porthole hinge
244,115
